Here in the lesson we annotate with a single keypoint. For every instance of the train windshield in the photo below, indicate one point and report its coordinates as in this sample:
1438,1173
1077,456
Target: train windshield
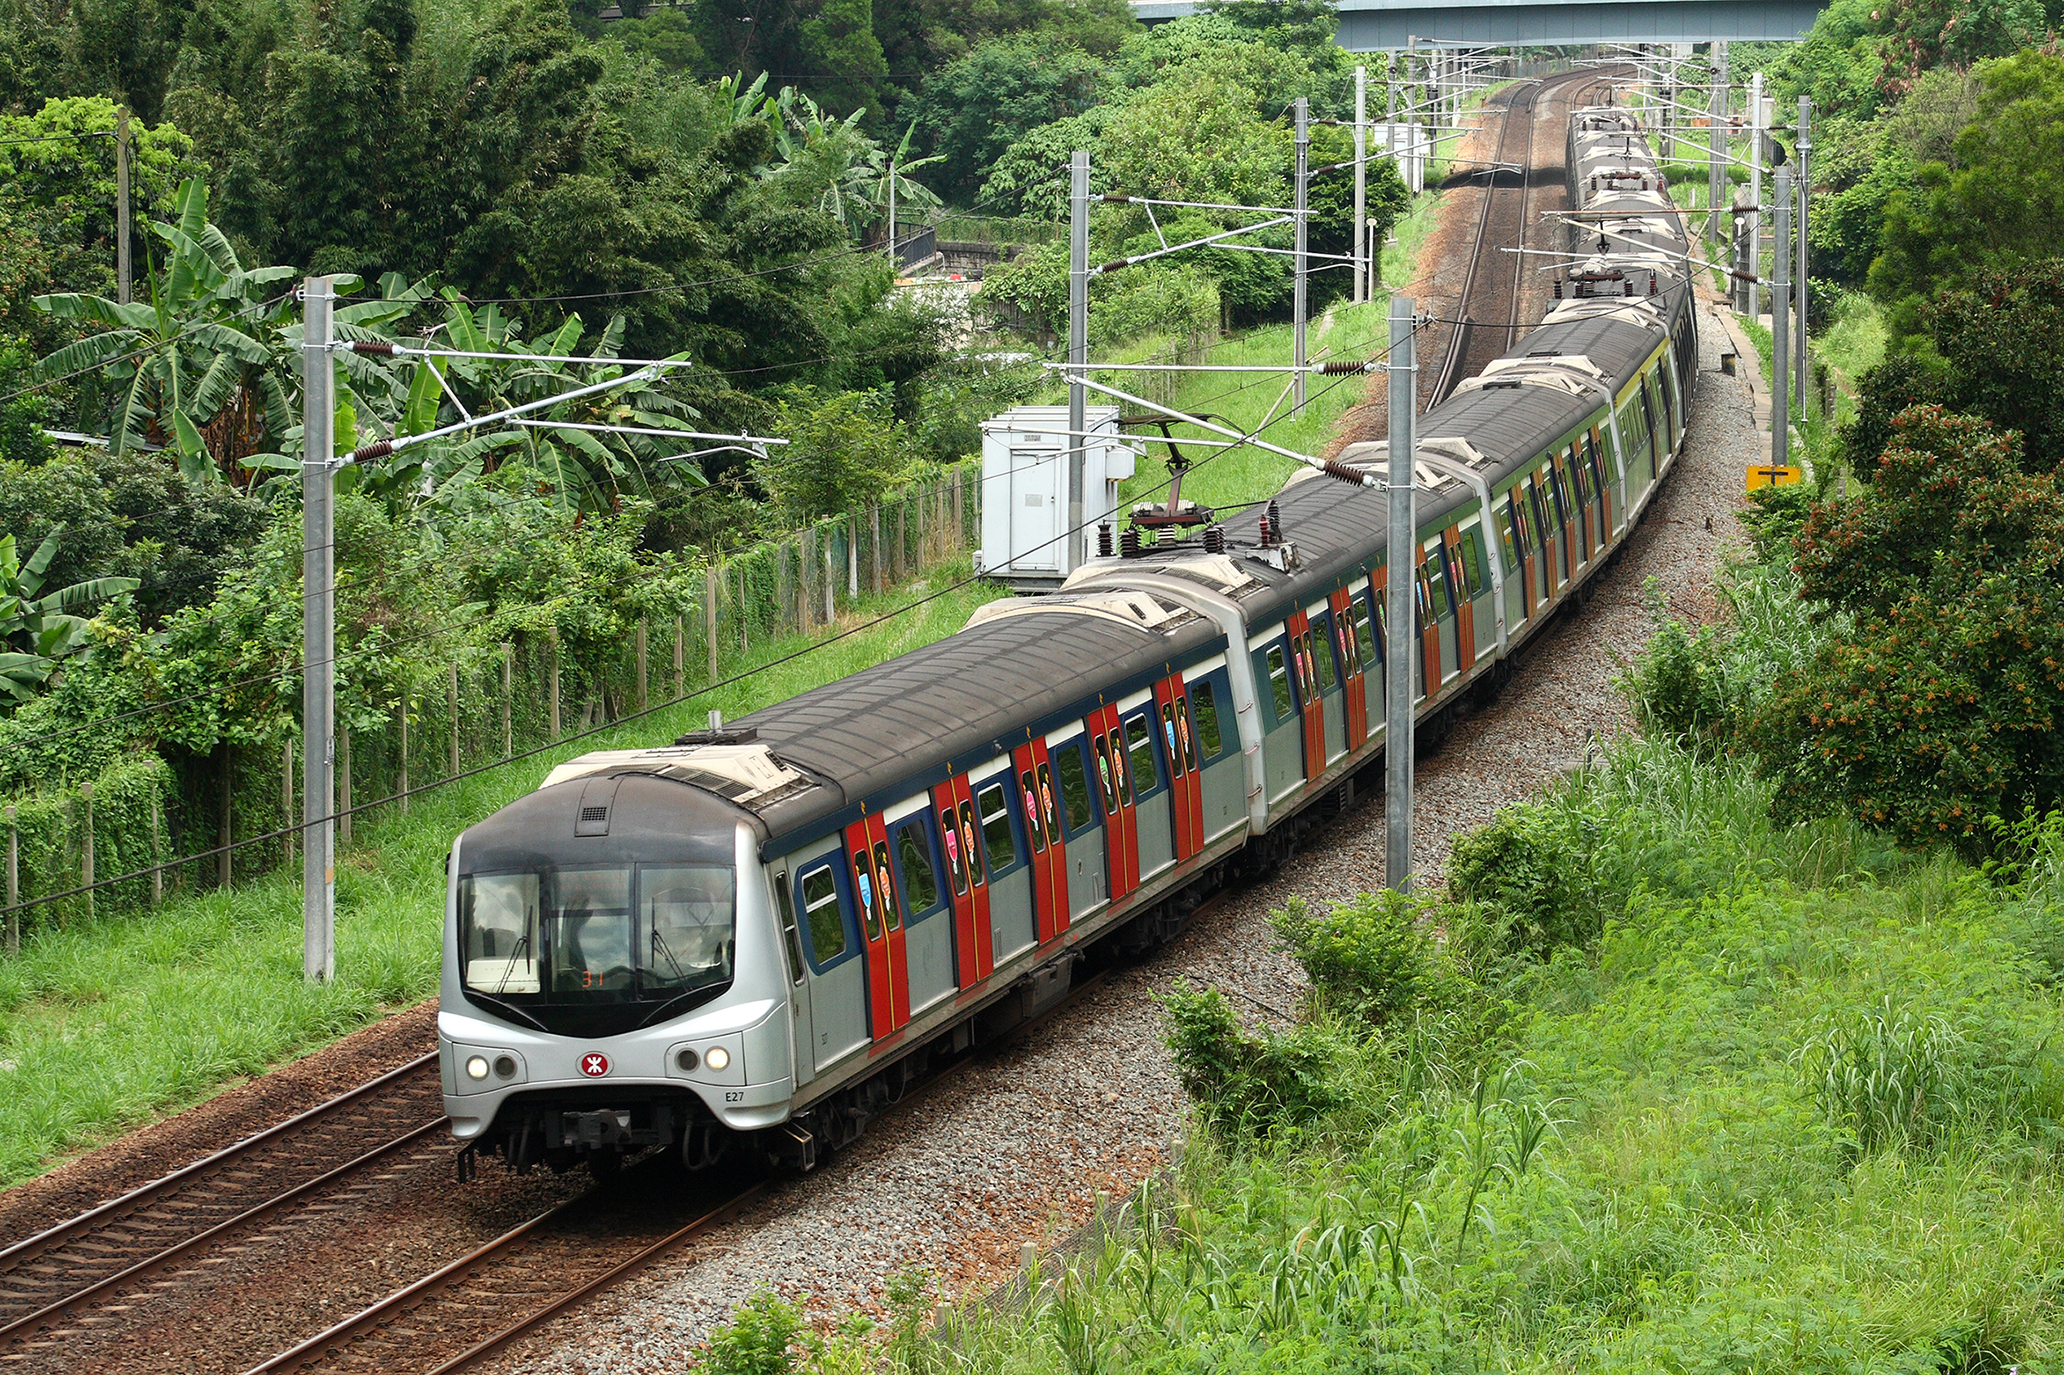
595,950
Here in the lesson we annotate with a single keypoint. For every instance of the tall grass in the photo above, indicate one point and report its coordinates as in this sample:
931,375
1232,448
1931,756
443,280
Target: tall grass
102,1027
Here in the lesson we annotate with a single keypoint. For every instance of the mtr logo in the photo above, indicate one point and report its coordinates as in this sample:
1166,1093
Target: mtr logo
594,1064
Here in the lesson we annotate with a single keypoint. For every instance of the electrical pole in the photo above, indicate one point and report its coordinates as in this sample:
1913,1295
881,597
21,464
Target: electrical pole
1361,184
1759,136
318,635
1390,111
893,264
122,205
1780,325
1078,346
1801,286
1299,302
1401,636
1716,169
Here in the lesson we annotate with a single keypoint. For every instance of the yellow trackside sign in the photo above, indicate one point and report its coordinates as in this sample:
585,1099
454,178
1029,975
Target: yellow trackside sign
1768,475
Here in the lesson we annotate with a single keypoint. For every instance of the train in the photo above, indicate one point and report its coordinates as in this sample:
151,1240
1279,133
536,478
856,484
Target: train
757,936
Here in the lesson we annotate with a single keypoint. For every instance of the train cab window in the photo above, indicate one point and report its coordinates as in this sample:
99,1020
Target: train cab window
1139,745
1322,651
1205,705
915,867
970,846
1279,683
500,914
589,931
790,945
1000,847
1067,761
949,840
1028,790
823,916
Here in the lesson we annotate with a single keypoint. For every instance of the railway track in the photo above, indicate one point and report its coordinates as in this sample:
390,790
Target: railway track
1488,310
58,1278
473,1307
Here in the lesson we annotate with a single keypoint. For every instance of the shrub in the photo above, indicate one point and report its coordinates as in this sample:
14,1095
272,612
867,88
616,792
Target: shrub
1246,1083
762,1338
1370,956
1887,1076
1531,874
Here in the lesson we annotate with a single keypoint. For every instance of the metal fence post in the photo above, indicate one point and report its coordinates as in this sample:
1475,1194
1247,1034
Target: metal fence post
709,617
644,683
13,881
86,850
680,659
452,711
509,699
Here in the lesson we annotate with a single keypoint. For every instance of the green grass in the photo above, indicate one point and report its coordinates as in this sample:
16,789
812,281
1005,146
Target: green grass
103,1028
1855,342
1799,1109
1243,401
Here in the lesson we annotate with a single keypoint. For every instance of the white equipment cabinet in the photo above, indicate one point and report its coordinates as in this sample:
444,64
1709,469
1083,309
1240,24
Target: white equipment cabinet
1025,492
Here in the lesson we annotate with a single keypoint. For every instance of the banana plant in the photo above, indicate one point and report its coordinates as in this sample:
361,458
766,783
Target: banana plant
204,349
36,630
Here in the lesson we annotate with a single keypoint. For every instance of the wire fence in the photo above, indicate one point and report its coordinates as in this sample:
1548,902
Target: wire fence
472,701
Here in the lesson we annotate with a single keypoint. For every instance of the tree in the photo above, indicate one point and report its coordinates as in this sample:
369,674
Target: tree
197,355
36,629
1941,708
1996,206
843,449
974,109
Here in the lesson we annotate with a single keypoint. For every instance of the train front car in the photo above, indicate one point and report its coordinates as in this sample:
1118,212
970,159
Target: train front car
612,969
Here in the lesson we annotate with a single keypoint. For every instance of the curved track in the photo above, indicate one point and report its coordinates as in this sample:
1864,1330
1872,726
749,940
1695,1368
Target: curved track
58,1276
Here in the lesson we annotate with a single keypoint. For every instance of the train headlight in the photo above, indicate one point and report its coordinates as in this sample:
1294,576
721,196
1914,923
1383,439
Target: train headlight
687,1060
476,1067
717,1058
505,1067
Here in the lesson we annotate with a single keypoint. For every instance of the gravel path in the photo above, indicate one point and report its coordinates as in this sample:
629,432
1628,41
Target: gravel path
1014,1149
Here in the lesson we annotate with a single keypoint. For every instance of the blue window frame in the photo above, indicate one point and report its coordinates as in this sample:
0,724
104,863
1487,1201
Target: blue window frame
920,877
1000,817
826,915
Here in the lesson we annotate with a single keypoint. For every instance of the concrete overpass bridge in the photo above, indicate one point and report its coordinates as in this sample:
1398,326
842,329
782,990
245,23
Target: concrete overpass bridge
1385,25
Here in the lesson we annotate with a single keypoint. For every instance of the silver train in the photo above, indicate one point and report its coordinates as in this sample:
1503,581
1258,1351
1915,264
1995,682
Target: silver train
755,938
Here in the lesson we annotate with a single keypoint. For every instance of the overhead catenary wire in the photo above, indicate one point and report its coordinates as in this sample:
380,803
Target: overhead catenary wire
332,815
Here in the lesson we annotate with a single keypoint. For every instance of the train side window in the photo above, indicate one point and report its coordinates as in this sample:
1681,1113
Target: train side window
1170,742
1434,585
993,805
1110,790
970,846
870,894
824,917
949,838
1595,452
1586,494
1474,560
915,866
790,945
1121,774
1365,631
1539,526
1322,650
1029,791
885,880
1049,809
1067,761
1279,683
1507,537
1204,703
1139,744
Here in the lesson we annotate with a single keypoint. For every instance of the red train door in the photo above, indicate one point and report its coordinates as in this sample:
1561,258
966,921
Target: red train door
1347,652
1465,612
1034,774
954,807
1304,675
1429,628
1114,789
881,926
1379,615
1182,780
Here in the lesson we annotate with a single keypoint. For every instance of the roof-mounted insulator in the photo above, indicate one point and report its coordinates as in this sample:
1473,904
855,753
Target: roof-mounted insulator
1214,539
1275,520
1263,523
1129,544
1104,540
